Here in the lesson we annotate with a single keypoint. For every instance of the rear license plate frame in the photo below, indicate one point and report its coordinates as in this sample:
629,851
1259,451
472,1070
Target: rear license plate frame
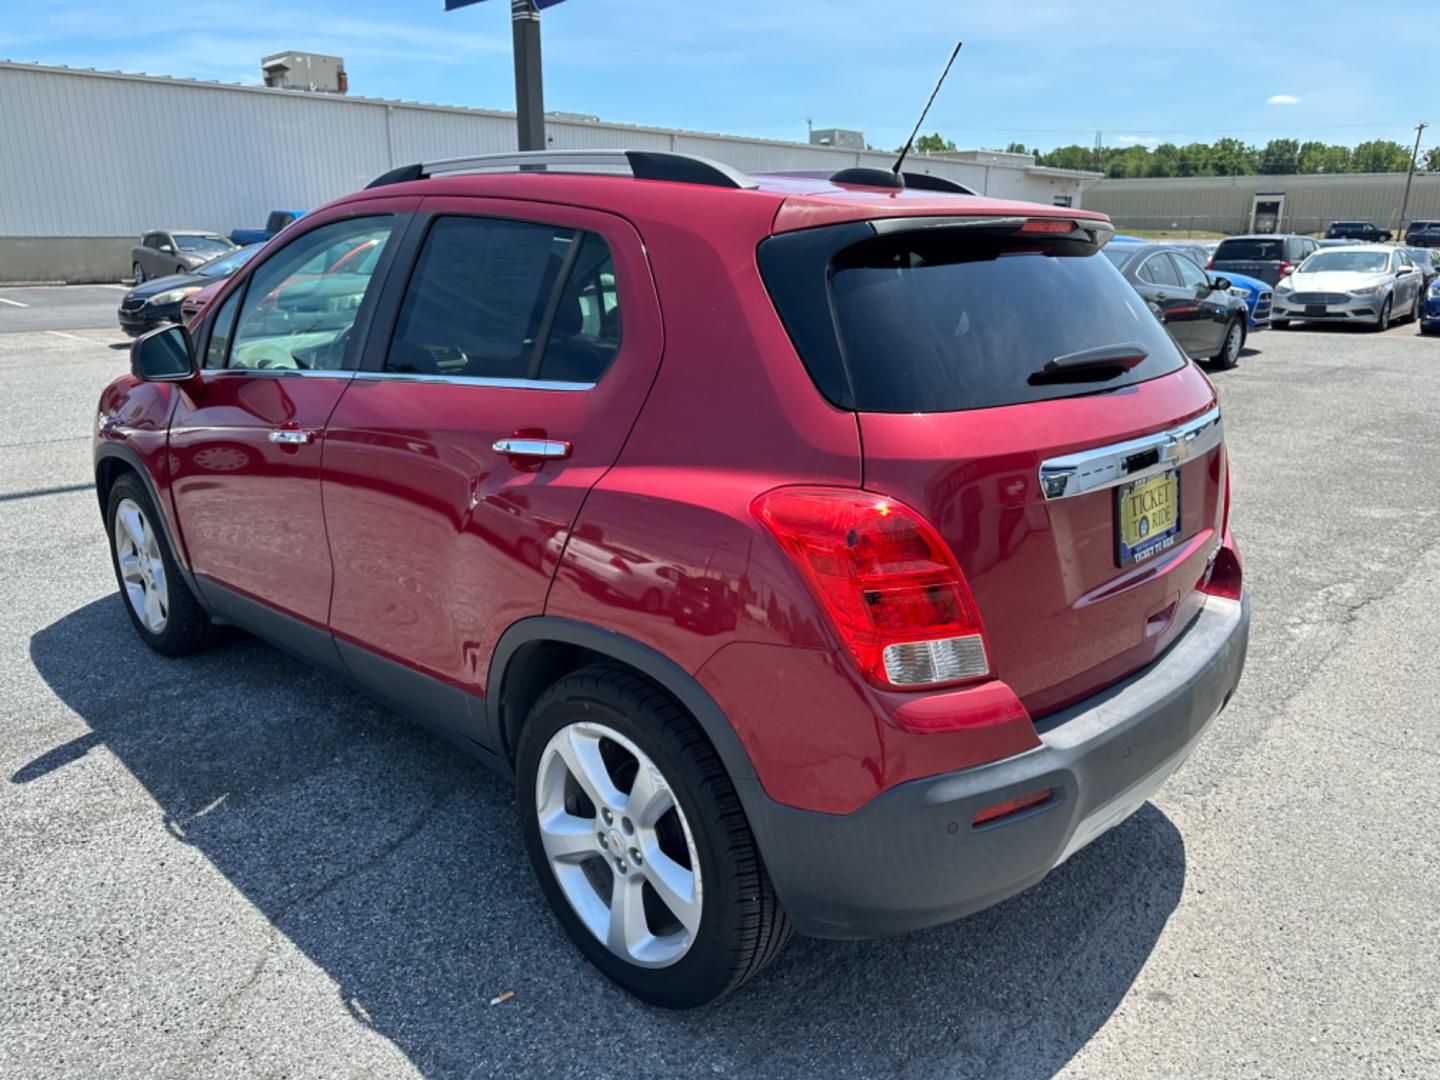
1149,542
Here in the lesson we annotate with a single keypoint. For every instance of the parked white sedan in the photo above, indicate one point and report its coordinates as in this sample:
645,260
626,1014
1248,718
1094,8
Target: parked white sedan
1367,283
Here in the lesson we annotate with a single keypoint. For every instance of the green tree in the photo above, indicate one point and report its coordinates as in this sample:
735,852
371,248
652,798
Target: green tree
1280,157
1380,155
1432,159
1164,160
1016,148
931,144
1195,160
1231,157
1068,157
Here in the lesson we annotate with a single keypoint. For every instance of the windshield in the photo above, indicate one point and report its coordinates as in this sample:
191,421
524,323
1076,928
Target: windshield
226,265
1346,261
201,245
931,323
1263,250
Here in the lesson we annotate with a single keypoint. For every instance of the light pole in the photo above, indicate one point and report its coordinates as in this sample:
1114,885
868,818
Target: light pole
529,84
1410,176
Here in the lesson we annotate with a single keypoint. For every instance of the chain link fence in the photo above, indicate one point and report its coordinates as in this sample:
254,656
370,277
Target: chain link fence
1201,226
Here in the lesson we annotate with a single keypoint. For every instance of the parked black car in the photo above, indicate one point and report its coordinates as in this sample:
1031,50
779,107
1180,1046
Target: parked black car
1357,230
1423,233
1202,316
1268,257
158,301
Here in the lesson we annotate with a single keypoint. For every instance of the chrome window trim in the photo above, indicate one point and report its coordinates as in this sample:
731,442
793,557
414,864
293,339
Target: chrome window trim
285,373
1110,466
478,380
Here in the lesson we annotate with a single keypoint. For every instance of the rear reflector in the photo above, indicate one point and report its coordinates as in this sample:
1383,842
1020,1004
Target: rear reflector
888,582
1012,806
1048,225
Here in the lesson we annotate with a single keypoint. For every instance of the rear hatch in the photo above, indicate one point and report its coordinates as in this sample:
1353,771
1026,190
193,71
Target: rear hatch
1258,257
938,337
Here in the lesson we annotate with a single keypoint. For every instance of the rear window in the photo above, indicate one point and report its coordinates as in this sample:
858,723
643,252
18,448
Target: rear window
1262,250
936,322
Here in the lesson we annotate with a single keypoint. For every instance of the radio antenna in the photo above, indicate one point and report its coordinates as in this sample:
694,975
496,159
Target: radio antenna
910,141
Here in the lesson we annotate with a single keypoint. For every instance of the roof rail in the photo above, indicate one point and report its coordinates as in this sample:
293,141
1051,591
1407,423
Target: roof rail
643,165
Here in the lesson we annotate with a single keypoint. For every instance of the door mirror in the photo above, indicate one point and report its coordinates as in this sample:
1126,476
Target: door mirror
168,249
163,355
1221,283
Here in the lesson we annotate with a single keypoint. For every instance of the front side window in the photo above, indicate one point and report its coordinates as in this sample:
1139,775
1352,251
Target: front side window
499,299
1190,274
301,305
1158,270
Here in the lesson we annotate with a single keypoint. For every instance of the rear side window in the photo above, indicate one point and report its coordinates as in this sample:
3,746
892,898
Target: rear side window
1262,250
500,299
1158,270
934,321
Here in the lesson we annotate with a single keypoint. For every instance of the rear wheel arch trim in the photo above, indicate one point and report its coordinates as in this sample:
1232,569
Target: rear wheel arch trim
650,663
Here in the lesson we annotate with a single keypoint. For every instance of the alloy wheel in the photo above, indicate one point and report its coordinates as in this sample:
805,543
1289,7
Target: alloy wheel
142,567
1232,345
618,844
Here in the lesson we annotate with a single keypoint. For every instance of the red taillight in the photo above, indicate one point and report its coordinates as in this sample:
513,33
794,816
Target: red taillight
1209,264
1012,806
1285,269
1048,225
888,583
1225,576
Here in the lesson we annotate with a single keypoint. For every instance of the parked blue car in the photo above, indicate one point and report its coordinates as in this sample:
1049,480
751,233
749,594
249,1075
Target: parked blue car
1430,309
1258,295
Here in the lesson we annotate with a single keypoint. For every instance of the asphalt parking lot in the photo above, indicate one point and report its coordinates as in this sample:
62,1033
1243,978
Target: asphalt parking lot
229,865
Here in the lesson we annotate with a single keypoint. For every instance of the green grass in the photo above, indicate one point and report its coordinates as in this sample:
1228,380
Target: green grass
1176,234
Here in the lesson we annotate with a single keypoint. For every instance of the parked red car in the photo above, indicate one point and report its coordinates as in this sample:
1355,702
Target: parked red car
814,554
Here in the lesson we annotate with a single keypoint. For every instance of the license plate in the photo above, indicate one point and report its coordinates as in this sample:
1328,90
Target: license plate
1314,309
1147,517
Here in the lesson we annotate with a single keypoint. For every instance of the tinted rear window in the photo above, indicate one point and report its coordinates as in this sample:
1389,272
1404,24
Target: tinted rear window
1263,250
936,322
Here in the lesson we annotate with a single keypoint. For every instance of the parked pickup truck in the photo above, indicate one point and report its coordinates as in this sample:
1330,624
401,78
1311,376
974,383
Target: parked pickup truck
277,220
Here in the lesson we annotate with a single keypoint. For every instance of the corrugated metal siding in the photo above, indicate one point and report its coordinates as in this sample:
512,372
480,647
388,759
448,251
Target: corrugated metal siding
102,154
1223,203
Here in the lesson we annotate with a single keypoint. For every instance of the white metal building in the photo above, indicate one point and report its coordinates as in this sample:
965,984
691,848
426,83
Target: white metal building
88,160
1238,204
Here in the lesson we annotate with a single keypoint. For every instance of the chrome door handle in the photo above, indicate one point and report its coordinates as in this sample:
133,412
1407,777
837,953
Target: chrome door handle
291,436
541,448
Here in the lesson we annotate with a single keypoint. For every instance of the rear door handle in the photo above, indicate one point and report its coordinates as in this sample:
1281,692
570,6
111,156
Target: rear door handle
532,448
291,436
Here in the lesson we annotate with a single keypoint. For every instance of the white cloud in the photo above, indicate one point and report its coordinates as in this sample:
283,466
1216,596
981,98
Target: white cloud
1136,140
1282,99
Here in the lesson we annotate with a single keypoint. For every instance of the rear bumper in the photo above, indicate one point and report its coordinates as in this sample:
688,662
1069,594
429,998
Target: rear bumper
912,858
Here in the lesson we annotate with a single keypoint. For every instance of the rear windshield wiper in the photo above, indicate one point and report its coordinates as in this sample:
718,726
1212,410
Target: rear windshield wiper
1090,364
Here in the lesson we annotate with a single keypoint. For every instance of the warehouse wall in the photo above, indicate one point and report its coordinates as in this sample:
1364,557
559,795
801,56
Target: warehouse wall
89,160
1222,203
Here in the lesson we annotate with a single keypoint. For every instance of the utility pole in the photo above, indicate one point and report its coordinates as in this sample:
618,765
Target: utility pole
1410,176
529,87
1097,152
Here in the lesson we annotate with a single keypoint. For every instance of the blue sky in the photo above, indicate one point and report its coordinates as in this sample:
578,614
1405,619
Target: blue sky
1034,71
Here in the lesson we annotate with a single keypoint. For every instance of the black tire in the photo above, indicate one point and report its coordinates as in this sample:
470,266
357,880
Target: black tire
1383,322
187,628
742,927
1230,346
138,273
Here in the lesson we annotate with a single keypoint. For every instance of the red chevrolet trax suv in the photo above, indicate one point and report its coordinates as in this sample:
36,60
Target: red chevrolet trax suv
831,554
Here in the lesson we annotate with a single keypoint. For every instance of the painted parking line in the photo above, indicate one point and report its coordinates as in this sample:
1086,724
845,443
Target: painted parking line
12,303
70,337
